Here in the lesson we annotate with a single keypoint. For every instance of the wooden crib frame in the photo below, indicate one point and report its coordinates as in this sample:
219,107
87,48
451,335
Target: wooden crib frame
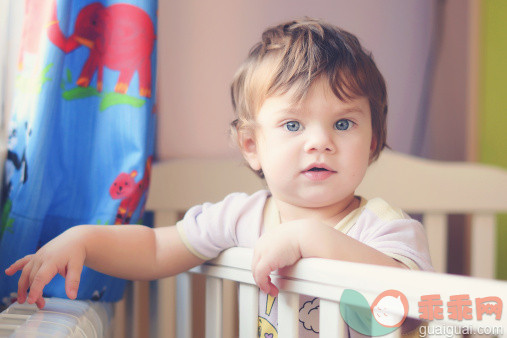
433,189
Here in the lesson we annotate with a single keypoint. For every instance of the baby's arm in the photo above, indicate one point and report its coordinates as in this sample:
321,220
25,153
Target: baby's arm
288,242
129,251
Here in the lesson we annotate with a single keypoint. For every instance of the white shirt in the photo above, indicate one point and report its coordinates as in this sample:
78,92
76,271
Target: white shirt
240,219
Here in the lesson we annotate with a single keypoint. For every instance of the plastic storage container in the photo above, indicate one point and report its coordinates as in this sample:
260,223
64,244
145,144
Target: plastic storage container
59,318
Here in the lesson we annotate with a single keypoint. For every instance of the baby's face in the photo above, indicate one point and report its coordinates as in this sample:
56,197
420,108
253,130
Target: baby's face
314,154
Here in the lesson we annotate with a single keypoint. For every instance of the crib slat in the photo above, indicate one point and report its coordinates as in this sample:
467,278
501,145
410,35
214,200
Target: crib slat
230,317
331,324
184,305
436,229
119,321
483,245
288,314
165,302
249,310
141,309
213,307
129,309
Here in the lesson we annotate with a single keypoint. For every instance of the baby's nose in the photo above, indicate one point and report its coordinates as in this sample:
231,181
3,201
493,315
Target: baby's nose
320,140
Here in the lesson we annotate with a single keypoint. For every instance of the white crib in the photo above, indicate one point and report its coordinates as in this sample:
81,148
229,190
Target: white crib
205,300
208,305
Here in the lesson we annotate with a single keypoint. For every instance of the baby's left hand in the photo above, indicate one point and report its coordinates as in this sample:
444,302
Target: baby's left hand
274,250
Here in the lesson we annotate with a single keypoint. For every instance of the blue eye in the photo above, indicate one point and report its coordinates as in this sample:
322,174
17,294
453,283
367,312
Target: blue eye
292,126
343,124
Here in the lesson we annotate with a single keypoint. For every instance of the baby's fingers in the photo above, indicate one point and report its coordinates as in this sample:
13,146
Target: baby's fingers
24,282
72,278
18,265
262,279
40,302
272,289
42,277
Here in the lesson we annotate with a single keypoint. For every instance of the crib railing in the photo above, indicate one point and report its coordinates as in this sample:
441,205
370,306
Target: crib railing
478,301
327,280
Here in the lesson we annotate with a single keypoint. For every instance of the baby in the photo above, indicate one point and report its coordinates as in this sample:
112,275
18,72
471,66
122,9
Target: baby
311,110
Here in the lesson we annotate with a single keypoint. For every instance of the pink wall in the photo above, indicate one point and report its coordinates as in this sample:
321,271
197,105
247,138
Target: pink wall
202,43
447,132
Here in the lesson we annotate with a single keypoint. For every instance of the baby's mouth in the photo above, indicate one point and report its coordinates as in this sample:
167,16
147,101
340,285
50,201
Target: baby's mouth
318,172
318,169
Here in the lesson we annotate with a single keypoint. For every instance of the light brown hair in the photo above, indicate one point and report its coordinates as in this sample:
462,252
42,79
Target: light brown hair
292,56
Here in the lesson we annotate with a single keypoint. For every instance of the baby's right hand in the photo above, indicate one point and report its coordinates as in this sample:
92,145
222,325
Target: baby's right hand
64,254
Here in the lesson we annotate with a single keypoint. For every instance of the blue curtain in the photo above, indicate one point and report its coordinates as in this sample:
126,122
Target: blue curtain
82,129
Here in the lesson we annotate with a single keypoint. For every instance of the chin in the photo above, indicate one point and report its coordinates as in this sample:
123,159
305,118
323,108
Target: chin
319,200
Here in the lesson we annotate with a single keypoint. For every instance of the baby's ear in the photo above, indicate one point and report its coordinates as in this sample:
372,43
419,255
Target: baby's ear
248,146
373,146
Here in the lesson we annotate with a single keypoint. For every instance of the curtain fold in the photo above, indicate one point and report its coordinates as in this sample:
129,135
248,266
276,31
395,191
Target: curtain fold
82,129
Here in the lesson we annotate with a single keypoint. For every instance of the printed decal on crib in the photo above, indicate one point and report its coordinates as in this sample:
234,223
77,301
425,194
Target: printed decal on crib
268,308
268,316
386,314
309,315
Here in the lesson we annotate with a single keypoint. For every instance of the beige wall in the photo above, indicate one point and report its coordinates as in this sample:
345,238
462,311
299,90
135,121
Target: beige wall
202,43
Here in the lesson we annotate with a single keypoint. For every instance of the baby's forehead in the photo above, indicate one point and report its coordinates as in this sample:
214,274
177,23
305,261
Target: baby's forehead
322,89
343,89
319,100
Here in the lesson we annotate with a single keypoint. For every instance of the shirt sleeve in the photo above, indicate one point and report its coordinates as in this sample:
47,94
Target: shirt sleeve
210,228
396,235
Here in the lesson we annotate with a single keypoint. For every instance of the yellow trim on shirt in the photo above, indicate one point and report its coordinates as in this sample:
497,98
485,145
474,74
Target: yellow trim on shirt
183,236
384,211
350,220
407,261
271,216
